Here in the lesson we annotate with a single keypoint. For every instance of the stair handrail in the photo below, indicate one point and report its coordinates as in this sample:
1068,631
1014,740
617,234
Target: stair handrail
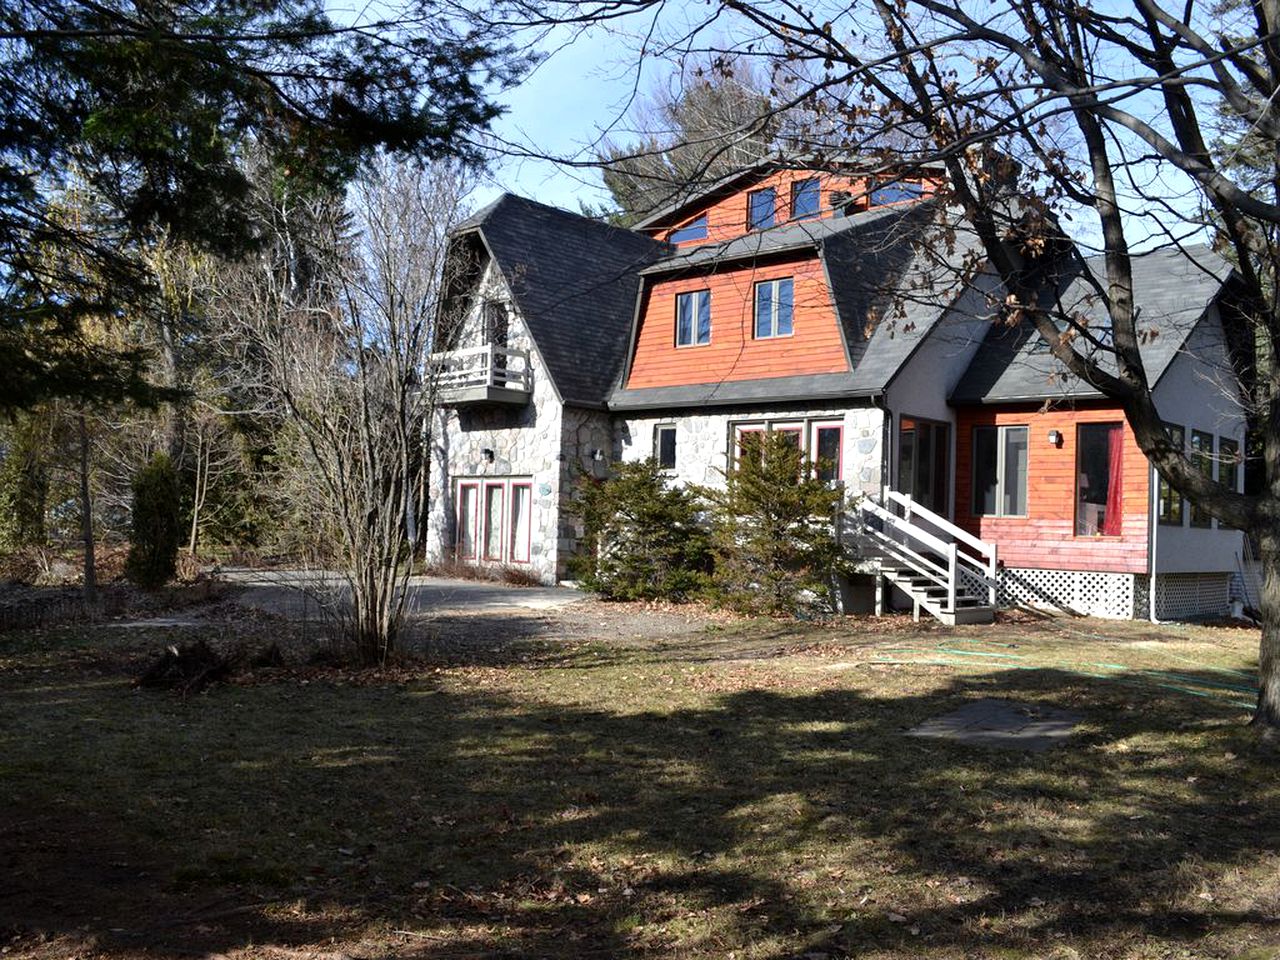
987,563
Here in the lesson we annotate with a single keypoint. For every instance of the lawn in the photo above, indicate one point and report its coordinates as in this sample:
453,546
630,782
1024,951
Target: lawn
740,790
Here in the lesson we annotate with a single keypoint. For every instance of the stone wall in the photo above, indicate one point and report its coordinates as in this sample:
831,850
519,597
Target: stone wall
702,441
526,442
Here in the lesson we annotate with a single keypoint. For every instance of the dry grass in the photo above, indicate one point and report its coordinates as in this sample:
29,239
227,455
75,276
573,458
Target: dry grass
740,791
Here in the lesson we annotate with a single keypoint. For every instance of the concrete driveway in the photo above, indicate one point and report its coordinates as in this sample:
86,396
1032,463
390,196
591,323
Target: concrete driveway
291,593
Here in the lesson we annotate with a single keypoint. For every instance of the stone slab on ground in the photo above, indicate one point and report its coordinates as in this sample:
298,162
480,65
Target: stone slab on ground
1002,723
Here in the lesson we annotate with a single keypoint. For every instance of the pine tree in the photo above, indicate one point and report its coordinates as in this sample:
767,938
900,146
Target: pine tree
774,531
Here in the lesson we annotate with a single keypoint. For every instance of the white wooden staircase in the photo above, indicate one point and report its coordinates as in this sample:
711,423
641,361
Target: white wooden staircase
946,571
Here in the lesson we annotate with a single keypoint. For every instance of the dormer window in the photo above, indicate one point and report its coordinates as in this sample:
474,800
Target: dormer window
761,205
896,191
804,199
695,229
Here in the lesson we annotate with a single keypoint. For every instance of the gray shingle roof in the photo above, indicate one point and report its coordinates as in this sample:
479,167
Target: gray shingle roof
1172,289
575,282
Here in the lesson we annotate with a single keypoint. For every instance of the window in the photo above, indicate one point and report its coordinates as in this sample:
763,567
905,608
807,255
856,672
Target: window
1170,501
822,442
1202,460
693,319
761,205
826,447
896,191
520,527
1000,471
695,229
792,432
1228,466
774,308
664,446
804,199
493,521
1099,480
486,531
924,457
468,496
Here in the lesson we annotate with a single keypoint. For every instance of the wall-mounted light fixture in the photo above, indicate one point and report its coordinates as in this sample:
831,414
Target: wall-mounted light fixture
1055,438
487,453
597,455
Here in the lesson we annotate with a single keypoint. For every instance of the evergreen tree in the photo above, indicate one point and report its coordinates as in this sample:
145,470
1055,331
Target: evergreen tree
647,540
774,531
157,525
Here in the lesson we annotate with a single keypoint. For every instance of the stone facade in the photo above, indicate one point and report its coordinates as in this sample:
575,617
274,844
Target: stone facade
526,443
702,441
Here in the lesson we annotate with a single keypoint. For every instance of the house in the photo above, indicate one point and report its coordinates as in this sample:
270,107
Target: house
812,303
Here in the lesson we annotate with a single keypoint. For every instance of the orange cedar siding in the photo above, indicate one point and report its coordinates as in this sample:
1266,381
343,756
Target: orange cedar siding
1045,538
727,218
815,345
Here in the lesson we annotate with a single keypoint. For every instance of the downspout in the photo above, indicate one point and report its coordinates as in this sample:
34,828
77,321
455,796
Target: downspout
1153,527
886,440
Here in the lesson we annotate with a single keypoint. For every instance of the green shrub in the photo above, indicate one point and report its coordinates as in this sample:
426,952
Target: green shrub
774,532
156,525
645,535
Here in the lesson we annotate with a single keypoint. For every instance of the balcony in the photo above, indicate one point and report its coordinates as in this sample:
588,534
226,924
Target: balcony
483,375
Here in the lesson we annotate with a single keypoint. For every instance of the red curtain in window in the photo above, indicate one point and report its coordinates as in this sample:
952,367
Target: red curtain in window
1114,516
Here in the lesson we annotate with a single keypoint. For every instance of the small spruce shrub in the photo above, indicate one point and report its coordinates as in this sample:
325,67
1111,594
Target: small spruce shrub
156,524
773,532
646,537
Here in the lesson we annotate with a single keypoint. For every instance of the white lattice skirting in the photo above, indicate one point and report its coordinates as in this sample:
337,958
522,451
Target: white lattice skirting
1117,596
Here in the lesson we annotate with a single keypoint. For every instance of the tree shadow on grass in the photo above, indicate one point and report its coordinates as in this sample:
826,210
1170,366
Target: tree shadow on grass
492,823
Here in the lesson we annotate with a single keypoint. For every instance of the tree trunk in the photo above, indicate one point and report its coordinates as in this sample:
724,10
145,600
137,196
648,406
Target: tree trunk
1267,715
86,515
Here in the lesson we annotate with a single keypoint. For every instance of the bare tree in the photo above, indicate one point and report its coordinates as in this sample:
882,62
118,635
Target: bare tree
332,326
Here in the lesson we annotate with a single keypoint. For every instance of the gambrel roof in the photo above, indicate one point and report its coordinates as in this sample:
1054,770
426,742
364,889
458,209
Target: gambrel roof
890,283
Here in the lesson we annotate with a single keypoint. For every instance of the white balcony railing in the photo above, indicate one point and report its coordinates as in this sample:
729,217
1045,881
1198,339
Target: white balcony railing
483,368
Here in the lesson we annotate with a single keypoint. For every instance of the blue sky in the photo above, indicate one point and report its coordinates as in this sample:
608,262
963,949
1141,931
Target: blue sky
577,93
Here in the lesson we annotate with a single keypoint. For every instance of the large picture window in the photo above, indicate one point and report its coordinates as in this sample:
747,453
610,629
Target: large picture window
1202,459
774,308
693,318
1000,471
1171,511
1099,480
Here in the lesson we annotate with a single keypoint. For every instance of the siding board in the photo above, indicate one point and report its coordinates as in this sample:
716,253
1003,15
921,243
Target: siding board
1045,538
815,346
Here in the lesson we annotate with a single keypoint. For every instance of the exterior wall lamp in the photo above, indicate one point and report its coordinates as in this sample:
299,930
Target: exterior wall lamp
487,453
1055,438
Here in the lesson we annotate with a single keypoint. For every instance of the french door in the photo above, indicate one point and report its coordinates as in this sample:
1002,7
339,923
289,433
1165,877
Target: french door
494,522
